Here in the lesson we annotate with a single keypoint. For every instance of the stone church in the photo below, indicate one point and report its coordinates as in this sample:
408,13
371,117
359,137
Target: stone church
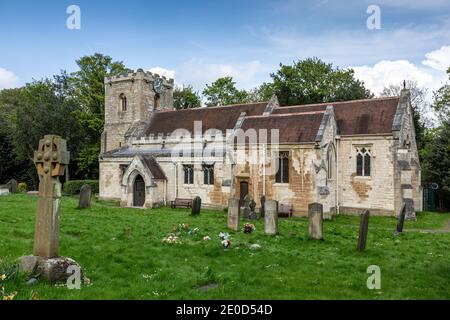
347,156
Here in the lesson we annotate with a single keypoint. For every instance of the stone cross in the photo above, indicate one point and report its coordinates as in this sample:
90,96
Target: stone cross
363,229
315,214
50,160
271,218
233,214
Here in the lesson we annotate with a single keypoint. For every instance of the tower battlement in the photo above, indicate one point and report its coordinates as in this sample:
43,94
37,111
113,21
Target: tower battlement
140,74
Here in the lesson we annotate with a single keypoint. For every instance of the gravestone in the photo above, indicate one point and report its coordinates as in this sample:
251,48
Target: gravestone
4,190
13,186
262,209
50,160
363,229
85,197
252,215
196,206
271,218
401,220
315,215
246,207
233,214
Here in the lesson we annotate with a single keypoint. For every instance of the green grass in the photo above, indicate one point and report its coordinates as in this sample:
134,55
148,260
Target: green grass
122,252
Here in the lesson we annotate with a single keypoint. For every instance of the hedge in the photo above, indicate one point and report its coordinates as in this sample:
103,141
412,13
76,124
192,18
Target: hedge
73,187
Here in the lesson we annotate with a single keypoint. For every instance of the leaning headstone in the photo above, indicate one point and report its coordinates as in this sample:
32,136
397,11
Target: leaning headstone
315,215
246,207
252,215
50,160
401,220
85,197
196,206
271,218
262,209
13,186
363,229
233,214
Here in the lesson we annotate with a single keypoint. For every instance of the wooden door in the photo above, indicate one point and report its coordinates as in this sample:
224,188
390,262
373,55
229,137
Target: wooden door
139,192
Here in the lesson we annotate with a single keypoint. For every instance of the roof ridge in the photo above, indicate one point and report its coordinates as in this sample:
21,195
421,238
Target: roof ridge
215,107
339,102
287,114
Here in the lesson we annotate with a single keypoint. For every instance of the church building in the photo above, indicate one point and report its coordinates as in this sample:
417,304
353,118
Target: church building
348,156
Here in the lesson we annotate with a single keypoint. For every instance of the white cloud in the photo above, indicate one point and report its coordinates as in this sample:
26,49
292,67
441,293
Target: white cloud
247,75
386,72
8,79
170,74
438,59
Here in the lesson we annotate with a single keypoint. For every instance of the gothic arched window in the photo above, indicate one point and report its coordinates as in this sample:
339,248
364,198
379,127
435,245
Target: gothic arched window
363,162
123,102
157,101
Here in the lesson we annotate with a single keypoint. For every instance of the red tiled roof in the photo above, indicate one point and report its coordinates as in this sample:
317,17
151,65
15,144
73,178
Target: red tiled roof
221,118
370,116
299,127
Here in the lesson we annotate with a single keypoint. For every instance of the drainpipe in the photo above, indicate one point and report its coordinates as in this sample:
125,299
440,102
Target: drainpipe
165,192
338,142
176,180
264,169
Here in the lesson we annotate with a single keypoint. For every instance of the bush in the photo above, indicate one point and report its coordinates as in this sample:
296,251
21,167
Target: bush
22,187
73,187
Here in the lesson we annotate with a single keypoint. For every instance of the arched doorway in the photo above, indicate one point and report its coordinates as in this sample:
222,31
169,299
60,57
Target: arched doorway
139,192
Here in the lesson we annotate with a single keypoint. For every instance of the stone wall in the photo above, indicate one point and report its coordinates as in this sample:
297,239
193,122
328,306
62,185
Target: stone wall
375,192
138,90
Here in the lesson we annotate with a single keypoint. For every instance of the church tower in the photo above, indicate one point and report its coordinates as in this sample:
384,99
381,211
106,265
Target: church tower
130,100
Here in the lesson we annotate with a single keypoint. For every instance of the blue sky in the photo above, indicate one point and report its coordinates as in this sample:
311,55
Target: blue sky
198,41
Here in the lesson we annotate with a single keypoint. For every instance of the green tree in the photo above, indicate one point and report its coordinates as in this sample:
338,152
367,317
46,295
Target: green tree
10,167
44,107
223,92
313,81
436,153
186,98
87,87
442,101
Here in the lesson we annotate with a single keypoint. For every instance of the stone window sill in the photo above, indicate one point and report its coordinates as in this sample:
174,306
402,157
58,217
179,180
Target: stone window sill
363,178
281,184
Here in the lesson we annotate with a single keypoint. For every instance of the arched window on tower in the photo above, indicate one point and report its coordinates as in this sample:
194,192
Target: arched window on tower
157,101
123,102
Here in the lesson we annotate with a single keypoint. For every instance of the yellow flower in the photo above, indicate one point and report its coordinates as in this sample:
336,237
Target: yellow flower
10,297
3,277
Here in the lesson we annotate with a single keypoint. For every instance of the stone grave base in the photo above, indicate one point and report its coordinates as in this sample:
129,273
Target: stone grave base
53,270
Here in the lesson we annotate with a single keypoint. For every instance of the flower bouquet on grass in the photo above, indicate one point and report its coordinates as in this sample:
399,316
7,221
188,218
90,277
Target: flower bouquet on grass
249,228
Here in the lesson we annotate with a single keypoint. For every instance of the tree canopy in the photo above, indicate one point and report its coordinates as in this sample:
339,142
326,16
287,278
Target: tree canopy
223,92
186,98
313,81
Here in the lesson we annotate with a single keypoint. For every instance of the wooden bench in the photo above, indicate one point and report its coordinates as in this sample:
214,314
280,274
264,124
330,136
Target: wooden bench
285,210
181,203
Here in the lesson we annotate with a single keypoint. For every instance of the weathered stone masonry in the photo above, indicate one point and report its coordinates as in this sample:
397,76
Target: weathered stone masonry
323,142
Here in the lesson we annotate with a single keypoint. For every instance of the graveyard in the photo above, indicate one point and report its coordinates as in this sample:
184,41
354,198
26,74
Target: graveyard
171,254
